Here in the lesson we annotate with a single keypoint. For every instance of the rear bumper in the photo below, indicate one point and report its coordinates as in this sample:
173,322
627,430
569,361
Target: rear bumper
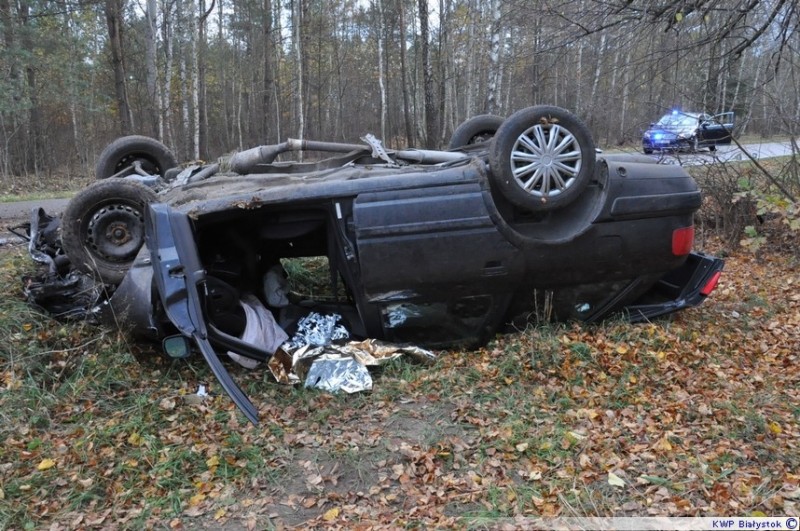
684,287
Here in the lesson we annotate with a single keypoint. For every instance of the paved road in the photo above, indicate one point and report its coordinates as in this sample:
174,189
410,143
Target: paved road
22,209
12,214
726,154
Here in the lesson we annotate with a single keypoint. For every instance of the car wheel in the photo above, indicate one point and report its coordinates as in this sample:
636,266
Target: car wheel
542,158
712,148
475,130
648,151
132,155
103,227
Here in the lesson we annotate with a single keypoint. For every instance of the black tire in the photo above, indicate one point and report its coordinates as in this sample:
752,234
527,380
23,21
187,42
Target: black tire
648,151
103,227
118,159
477,129
542,158
712,148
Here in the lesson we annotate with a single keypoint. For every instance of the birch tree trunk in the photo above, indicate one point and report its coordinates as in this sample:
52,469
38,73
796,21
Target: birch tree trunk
201,112
590,110
277,17
182,20
151,70
404,76
378,6
269,80
194,45
445,105
166,98
626,83
469,105
493,90
297,43
427,77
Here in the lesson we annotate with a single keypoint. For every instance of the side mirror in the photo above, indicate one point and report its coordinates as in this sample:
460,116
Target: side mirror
176,347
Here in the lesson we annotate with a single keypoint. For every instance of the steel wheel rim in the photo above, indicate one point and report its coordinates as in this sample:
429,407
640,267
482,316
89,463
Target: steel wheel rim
115,232
546,160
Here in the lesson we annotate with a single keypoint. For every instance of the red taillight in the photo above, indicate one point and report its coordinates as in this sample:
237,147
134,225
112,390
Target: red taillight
682,241
711,284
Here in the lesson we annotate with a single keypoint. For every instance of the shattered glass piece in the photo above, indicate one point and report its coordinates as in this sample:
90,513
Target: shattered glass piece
261,330
317,330
335,375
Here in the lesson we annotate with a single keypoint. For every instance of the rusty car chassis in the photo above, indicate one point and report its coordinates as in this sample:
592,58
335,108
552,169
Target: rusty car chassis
427,247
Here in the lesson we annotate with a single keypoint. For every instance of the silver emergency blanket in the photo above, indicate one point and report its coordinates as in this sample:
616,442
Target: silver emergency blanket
317,330
339,374
341,367
312,357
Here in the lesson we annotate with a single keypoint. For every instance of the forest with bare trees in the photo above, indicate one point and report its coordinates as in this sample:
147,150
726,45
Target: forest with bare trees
207,77
522,422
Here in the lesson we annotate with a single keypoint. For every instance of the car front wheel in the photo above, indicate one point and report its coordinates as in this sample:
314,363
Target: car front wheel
103,227
542,158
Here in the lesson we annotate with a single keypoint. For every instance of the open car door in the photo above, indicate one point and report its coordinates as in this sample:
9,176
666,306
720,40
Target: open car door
719,128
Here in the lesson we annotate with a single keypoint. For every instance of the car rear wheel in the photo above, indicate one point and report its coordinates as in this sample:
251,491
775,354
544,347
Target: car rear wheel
542,158
103,227
478,129
134,155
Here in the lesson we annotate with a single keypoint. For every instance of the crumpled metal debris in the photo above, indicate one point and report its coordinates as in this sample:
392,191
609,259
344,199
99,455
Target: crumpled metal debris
63,293
75,296
43,239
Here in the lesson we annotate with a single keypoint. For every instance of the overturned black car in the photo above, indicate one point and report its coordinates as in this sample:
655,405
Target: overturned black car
429,247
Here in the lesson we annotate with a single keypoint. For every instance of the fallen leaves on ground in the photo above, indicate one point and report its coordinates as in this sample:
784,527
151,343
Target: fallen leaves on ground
694,416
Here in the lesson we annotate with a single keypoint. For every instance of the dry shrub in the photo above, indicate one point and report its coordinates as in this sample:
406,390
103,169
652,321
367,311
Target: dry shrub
727,209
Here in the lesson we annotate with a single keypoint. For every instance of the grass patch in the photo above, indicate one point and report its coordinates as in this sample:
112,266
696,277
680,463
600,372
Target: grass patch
690,414
43,186
35,196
